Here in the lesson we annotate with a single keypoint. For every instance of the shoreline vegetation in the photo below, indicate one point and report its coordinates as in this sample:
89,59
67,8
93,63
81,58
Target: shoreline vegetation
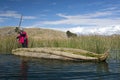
94,43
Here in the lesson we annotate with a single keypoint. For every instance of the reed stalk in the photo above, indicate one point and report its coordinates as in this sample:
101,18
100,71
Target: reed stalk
94,43
7,43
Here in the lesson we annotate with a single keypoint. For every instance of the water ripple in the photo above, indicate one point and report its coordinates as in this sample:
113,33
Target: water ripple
17,68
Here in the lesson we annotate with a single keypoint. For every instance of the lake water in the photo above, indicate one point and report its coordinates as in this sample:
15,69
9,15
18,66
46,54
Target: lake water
18,68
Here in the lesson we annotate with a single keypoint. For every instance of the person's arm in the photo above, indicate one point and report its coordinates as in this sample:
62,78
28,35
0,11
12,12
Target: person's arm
18,37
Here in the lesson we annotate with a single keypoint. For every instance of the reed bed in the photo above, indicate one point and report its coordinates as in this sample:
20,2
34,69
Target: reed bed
94,43
8,43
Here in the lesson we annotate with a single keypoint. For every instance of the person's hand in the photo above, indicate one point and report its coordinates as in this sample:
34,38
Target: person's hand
17,37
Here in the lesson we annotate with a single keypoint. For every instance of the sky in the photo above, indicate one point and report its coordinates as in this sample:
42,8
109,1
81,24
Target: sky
78,16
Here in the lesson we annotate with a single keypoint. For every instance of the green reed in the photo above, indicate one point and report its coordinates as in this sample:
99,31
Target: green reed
8,43
93,43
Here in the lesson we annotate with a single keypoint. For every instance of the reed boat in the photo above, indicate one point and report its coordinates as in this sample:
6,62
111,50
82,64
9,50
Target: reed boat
61,54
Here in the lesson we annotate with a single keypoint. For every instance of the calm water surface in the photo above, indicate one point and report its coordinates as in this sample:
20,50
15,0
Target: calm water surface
18,68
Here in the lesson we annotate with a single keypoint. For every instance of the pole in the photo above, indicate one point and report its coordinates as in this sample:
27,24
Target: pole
20,22
18,28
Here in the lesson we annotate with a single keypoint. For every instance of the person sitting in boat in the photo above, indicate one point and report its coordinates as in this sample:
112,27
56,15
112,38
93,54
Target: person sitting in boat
23,38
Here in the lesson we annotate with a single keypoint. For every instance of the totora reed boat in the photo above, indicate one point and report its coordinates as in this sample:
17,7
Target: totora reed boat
61,54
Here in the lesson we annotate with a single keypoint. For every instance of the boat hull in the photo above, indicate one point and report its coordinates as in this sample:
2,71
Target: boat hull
61,54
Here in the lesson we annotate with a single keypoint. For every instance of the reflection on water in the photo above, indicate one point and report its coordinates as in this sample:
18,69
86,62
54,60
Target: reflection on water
102,67
24,69
17,68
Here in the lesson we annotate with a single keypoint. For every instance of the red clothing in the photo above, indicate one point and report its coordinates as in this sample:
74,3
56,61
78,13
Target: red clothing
23,38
